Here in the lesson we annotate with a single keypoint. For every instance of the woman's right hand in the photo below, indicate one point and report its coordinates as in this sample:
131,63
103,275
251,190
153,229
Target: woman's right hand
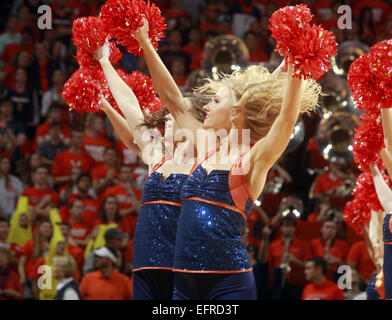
103,53
141,35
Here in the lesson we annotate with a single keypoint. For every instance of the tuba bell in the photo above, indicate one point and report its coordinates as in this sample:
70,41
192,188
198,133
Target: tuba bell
224,55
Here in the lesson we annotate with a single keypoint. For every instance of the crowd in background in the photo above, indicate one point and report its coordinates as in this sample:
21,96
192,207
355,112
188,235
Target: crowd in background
57,158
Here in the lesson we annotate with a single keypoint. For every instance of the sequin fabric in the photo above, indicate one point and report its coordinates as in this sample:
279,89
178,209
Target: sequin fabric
209,236
155,233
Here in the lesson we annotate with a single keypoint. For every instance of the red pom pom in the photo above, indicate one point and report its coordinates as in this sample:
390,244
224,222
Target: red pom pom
89,34
356,214
87,60
368,141
82,92
144,90
308,48
123,17
364,189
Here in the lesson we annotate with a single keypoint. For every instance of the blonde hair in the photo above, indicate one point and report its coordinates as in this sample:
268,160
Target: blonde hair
66,264
260,95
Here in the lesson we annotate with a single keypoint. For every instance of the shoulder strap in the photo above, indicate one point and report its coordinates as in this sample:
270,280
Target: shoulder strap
203,158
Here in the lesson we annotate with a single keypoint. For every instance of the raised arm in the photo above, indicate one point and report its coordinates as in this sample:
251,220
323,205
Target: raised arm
386,115
267,151
164,83
121,126
383,191
124,96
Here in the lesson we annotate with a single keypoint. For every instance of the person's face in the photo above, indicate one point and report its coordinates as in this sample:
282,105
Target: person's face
219,111
57,273
178,67
98,125
23,60
64,230
45,230
41,176
20,76
195,36
55,132
35,160
329,230
60,248
24,14
5,166
7,108
54,115
114,243
75,172
287,230
4,230
101,262
41,52
175,38
58,78
310,271
4,260
111,206
84,184
11,24
77,210
24,220
110,157
77,139
251,41
126,174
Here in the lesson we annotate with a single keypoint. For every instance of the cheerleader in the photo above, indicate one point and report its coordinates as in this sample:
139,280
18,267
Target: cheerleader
210,260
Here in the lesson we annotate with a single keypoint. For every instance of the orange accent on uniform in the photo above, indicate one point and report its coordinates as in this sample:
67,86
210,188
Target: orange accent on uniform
212,271
172,203
94,286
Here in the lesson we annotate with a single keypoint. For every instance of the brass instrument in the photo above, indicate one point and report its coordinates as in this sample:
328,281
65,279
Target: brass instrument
224,54
284,265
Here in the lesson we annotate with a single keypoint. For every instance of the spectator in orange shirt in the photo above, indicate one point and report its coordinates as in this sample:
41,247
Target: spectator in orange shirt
41,197
319,287
334,250
106,283
286,258
110,214
25,44
69,189
75,156
72,247
95,141
10,287
256,53
80,229
31,251
195,45
128,197
358,258
106,174
4,243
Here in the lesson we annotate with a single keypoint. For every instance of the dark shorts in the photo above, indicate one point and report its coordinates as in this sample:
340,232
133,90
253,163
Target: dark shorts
153,284
214,286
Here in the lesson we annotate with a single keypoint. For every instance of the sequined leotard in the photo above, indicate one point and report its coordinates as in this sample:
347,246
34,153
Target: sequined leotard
155,233
213,214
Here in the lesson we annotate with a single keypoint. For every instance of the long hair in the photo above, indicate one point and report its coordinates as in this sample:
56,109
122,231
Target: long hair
157,119
38,250
260,96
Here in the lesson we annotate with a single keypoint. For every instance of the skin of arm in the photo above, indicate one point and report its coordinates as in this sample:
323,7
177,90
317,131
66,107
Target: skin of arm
386,116
21,269
387,159
383,191
124,96
267,151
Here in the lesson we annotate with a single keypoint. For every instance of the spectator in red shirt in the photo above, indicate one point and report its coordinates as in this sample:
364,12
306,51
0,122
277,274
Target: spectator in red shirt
80,229
72,247
54,115
95,141
106,283
286,258
334,250
4,243
358,258
195,45
25,44
128,197
41,197
179,72
75,156
110,214
10,286
319,287
69,189
106,174
10,34
31,251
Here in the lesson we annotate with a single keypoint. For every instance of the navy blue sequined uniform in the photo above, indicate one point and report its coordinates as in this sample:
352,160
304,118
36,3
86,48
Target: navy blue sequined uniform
387,267
209,237
155,235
